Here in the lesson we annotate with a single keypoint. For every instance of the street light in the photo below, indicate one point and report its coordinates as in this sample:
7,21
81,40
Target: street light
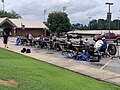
3,5
45,11
64,8
89,22
118,22
109,17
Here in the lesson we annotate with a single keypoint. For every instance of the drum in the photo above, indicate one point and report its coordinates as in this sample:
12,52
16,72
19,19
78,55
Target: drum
112,49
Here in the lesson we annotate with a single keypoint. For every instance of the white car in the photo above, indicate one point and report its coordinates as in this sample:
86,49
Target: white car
73,35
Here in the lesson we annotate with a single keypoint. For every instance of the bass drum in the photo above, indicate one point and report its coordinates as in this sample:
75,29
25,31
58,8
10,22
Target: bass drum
112,49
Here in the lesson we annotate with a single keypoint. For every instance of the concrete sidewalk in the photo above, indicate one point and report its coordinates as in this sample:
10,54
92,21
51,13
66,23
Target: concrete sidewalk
70,65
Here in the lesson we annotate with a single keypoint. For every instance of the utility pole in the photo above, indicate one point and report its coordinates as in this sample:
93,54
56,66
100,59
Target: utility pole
45,11
118,23
89,21
64,8
109,18
3,5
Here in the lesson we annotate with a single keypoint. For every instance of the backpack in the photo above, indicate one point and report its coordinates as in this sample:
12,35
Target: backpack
23,50
28,51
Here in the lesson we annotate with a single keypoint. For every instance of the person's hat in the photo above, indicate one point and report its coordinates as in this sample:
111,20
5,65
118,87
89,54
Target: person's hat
103,38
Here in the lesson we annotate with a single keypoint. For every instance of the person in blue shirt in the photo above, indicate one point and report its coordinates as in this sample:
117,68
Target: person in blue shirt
104,47
17,40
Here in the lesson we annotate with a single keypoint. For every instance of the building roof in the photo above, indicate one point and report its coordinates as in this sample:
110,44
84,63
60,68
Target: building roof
28,23
94,32
1,20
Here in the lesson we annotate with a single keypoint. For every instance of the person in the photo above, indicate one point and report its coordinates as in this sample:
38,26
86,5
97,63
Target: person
36,41
104,47
91,50
98,44
17,40
42,43
30,39
5,39
27,36
68,43
37,38
86,44
54,42
30,36
81,41
86,41
54,38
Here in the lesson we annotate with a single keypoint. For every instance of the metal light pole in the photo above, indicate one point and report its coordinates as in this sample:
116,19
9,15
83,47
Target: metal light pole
45,11
109,17
118,23
89,22
3,5
64,8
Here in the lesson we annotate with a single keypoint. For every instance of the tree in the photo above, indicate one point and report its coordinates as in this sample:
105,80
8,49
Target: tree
85,27
58,22
11,14
114,24
93,24
101,24
78,26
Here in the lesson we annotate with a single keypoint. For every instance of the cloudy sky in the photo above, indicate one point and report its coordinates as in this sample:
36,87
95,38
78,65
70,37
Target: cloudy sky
79,11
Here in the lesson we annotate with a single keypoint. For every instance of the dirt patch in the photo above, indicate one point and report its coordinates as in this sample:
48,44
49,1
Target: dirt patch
8,82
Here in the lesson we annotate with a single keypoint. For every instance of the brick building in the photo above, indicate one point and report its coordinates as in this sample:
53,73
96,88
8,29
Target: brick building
21,27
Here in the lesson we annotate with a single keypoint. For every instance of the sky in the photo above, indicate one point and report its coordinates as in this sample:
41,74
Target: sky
79,11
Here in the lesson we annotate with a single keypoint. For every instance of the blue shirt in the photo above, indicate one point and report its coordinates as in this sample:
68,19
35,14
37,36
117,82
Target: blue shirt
104,44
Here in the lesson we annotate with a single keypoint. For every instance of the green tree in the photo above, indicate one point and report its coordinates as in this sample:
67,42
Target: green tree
85,27
78,26
93,24
114,24
58,22
11,14
101,24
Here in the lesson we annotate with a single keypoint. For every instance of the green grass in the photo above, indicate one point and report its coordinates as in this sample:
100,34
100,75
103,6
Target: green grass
31,74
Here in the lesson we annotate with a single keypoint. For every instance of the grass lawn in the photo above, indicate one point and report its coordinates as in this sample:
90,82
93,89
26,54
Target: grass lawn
31,74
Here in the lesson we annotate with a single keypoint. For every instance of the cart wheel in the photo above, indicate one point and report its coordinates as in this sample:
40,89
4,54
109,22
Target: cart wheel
112,49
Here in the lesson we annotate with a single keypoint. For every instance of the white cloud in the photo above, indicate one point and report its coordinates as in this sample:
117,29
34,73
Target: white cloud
78,10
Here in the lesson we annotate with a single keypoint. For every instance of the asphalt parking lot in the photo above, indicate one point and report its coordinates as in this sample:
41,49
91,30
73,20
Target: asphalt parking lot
113,66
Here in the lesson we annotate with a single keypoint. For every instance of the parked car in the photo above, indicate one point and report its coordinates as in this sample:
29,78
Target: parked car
113,36
74,35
